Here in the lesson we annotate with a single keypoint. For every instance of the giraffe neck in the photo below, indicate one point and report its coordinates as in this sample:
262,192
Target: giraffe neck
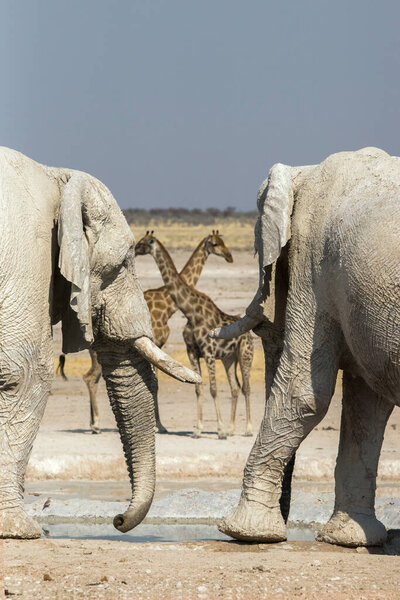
184,296
194,266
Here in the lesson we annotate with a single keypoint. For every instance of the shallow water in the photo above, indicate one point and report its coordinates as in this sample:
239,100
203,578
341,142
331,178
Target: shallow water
120,490
153,533
181,511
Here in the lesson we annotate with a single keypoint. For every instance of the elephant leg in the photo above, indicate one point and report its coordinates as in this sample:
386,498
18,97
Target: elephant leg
299,398
213,391
230,369
92,378
364,418
24,388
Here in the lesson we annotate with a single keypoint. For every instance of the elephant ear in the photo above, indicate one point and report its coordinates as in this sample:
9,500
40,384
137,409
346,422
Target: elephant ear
272,231
74,266
275,205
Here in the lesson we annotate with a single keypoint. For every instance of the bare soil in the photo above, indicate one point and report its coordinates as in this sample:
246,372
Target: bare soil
66,568
59,569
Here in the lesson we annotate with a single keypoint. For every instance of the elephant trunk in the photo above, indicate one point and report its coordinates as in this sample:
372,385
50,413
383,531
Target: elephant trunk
132,390
235,329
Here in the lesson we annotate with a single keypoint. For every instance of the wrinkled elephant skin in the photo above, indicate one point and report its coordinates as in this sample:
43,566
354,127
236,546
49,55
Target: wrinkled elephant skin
328,299
67,253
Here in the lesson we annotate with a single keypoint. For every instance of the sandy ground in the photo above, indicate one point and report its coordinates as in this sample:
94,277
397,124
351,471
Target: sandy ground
98,568
59,569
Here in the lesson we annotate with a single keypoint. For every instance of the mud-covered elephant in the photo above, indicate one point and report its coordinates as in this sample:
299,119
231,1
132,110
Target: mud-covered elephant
68,254
328,239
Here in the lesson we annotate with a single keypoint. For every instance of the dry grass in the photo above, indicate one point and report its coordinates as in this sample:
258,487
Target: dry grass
237,236
76,366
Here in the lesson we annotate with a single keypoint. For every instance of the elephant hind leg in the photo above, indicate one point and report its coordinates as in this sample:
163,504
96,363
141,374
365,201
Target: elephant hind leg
364,418
24,387
299,398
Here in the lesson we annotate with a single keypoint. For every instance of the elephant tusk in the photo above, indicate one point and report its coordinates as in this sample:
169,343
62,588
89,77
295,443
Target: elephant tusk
235,329
165,363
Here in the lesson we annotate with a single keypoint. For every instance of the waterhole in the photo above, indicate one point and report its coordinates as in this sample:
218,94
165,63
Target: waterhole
175,532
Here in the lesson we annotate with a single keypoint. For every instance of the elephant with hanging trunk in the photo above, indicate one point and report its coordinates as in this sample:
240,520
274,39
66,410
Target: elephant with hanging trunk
68,254
328,239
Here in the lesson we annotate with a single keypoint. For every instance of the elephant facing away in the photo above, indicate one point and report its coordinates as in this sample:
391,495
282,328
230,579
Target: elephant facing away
68,254
328,299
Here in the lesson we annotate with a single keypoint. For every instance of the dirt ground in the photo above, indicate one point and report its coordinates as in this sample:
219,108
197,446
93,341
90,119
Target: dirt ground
98,568
60,569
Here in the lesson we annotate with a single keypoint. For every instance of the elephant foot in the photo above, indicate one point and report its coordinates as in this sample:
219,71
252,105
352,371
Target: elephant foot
16,523
353,529
254,522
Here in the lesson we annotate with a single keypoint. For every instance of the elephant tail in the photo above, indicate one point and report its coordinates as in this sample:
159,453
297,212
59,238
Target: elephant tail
60,368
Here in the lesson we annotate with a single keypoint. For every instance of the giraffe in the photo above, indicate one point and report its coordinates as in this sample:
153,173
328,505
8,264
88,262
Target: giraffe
160,303
202,313
161,307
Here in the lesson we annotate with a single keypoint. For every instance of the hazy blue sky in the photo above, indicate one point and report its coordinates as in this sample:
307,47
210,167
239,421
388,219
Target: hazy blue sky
188,103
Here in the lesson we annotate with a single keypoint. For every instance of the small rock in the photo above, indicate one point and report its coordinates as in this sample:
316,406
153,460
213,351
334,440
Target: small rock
361,550
104,578
178,584
47,577
202,588
148,571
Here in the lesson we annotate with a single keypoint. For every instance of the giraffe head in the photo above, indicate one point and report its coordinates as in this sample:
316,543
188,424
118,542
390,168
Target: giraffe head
214,244
146,244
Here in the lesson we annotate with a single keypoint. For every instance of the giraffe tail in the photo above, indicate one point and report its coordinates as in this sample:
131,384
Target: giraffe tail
61,363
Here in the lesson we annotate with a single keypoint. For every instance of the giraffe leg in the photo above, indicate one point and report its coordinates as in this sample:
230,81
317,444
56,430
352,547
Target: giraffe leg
91,378
246,352
195,363
230,368
213,390
194,357
159,426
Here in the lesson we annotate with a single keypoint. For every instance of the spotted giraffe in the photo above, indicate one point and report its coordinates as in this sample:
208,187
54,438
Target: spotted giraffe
203,315
161,307
160,303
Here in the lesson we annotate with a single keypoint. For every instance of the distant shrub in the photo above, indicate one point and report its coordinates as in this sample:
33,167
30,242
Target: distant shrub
141,217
